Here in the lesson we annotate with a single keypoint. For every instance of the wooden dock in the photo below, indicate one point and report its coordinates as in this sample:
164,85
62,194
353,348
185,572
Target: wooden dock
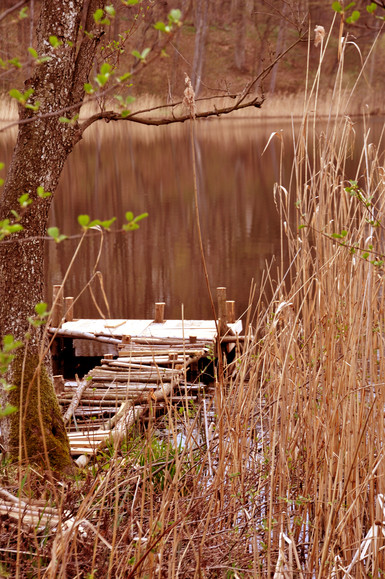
145,365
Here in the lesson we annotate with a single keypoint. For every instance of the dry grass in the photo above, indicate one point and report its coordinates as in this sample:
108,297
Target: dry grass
286,478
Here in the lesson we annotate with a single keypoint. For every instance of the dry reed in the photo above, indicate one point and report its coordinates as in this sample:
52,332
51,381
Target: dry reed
281,473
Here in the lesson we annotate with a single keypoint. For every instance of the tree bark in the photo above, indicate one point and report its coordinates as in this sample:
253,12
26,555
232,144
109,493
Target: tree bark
41,150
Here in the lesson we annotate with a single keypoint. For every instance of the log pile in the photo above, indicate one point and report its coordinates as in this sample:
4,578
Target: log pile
107,402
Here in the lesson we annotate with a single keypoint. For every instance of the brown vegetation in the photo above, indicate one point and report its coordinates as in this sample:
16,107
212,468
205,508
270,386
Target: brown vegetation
285,476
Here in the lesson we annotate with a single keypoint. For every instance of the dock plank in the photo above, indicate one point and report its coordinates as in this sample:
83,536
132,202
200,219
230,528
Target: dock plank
148,368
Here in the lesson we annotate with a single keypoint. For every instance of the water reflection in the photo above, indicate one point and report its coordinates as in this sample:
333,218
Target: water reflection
115,170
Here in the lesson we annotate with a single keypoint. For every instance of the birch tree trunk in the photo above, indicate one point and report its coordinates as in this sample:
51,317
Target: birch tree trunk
42,147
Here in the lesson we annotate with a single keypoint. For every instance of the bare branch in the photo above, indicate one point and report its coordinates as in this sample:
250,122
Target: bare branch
114,116
12,9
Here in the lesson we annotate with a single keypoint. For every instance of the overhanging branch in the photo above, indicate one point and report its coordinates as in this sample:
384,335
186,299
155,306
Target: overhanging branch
179,118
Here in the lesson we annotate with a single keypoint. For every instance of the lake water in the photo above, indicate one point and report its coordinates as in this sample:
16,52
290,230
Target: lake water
117,168
150,170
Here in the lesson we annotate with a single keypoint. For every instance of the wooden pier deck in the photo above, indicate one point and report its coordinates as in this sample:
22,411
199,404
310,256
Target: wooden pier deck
142,365
151,365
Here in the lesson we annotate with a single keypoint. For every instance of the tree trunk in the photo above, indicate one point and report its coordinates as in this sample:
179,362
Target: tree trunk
240,17
201,25
42,147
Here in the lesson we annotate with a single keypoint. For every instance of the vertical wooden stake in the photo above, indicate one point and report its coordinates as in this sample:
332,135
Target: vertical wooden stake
222,317
69,309
159,312
57,306
230,311
58,383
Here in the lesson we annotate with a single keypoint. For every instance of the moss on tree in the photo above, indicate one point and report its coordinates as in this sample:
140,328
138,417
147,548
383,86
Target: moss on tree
40,415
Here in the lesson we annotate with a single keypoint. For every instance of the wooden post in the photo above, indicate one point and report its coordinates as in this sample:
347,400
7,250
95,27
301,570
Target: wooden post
222,317
57,306
159,312
69,309
192,339
230,311
58,383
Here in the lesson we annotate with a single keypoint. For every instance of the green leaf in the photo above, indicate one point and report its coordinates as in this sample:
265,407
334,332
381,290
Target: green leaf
32,52
41,193
125,113
53,232
110,10
140,217
89,88
34,107
95,223
10,344
98,15
83,220
161,26
336,6
136,54
371,8
21,97
15,94
354,17
7,410
365,255
105,68
23,13
124,77
41,309
145,53
107,224
24,200
54,41
2,165
64,120
175,16
102,79
133,221
15,62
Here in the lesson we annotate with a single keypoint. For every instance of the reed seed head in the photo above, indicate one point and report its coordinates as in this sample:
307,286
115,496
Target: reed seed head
189,97
319,35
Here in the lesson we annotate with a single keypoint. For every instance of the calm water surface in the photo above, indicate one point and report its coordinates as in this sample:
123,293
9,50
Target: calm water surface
147,169
150,170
